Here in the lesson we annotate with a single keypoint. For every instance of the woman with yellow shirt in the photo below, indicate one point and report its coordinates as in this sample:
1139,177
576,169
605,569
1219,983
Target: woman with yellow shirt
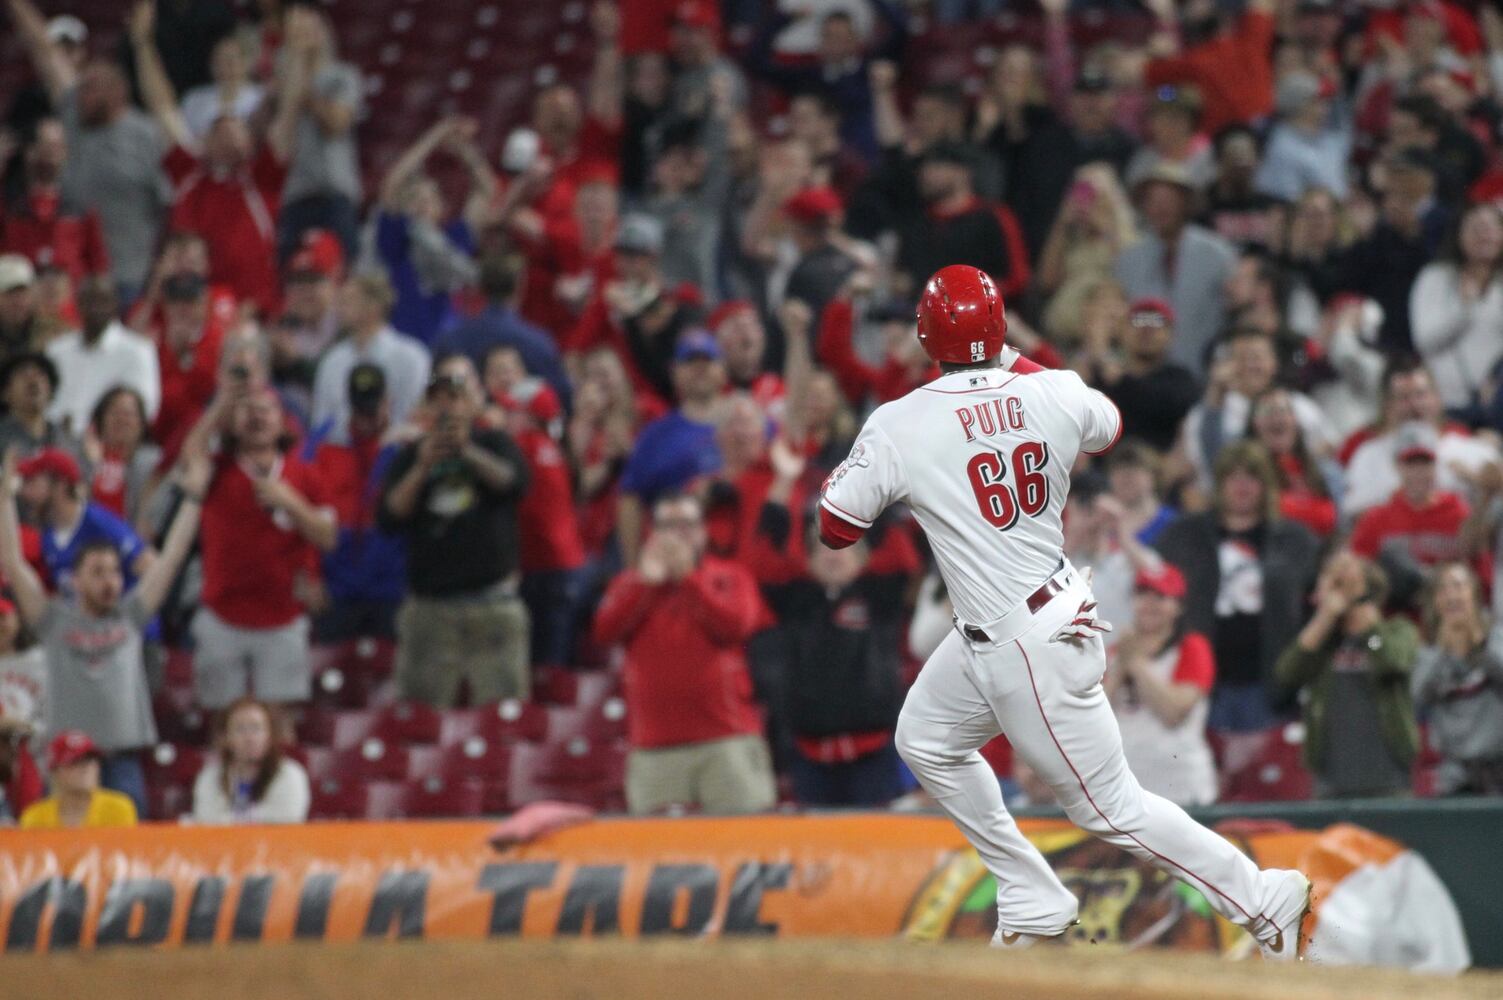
76,799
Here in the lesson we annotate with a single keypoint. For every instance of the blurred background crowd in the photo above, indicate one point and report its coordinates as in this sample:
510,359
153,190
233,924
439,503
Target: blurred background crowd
416,409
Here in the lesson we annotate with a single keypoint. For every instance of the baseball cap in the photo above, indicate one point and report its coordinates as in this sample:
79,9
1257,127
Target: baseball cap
640,233
1412,159
696,14
69,747
813,205
184,286
16,272
726,310
1415,440
67,28
319,255
1150,312
1184,100
1165,172
366,388
1092,80
957,153
51,462
447,382
696,345
1166,580
1296,89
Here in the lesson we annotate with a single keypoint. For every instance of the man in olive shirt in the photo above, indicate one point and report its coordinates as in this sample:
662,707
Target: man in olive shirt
452,494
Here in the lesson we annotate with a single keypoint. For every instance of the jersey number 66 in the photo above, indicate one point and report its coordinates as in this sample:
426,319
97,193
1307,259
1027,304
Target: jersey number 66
1001,502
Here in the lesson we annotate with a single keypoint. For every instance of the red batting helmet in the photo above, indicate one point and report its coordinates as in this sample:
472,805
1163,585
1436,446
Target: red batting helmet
961,318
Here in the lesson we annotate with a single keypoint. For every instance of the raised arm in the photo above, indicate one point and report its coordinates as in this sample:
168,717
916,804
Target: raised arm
606,85
194,474
412,160
31,597
483,184
57,73
796,318
887,117
292,95
156,89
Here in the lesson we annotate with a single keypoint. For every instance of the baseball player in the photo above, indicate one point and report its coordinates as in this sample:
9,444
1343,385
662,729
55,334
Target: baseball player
982,456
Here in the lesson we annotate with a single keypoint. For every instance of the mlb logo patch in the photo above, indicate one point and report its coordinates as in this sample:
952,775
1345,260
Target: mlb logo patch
979,381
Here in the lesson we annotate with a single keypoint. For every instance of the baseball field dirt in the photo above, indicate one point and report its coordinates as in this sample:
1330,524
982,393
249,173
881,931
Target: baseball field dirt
698,970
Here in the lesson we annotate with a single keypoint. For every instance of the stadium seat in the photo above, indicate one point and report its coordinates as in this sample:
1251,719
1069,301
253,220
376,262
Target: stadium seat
374,759
409,722
173,764
433,798
168,803
1264,766
179,720
600,723
473,758
385,800
334,799
505,722
579,771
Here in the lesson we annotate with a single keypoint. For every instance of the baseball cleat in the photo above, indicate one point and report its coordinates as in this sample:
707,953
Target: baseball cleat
1004,940
1288,941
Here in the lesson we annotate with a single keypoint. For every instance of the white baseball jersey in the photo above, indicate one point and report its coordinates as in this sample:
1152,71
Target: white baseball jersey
983,460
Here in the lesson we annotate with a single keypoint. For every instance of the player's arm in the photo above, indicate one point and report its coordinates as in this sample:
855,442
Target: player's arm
861,487
1100,420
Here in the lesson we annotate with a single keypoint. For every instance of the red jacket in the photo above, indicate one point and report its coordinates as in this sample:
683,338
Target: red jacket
686,679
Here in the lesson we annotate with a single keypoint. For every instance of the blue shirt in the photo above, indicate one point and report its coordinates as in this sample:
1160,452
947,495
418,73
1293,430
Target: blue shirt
1150,532
97,524
672,452
499,326
416,313
368,564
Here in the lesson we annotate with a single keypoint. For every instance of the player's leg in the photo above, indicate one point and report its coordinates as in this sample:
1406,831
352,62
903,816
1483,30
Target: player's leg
1056,714
944,723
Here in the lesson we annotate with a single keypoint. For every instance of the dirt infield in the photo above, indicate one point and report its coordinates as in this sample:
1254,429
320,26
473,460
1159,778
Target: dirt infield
695,970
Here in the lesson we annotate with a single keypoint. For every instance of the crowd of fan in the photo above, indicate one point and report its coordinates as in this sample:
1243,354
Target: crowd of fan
580,418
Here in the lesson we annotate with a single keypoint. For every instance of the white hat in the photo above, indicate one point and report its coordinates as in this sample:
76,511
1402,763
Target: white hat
16,272
67,28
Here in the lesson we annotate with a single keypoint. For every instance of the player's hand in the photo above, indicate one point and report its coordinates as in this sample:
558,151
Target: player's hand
1083,626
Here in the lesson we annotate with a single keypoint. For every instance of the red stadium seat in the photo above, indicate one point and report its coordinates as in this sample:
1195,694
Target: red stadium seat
334,799
579,771
374,759
1264,766
167,803
385,800
602,723
411,722
173,764
505,722
472,758
435,797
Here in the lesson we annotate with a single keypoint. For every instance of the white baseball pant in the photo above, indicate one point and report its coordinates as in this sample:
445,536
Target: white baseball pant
1047,697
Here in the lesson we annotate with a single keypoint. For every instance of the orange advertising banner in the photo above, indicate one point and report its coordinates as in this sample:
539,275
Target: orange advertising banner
849,875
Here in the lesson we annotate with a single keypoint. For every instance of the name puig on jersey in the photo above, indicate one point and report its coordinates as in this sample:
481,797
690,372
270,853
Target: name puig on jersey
991,417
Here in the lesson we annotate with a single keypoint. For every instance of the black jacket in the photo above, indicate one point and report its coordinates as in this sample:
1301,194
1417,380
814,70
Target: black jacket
1290,563
842,654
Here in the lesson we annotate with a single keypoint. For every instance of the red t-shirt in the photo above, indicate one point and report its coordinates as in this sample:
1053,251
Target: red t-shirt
237,217
107,488
1430,532
1196,664
251,555
545,514
42,233
686,678
188,384
1233,71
